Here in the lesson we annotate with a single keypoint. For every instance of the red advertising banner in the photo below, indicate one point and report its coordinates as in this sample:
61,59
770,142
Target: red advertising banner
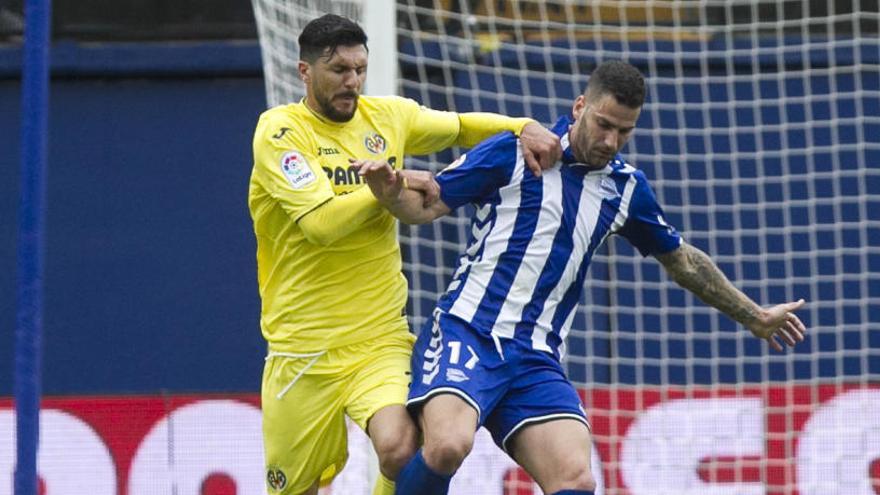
767,440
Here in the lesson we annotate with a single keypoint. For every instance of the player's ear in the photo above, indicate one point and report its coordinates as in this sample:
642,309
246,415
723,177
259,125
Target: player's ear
304,71
578,108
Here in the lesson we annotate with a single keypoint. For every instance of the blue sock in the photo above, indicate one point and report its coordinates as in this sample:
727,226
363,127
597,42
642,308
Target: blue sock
573,492
416,478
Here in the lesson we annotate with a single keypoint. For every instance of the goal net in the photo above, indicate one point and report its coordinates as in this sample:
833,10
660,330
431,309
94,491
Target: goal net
761,137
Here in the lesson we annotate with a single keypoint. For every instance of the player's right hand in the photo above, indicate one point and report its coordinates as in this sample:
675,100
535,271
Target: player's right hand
385,182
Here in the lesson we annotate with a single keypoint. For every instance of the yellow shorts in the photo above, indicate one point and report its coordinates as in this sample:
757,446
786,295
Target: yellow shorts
304,430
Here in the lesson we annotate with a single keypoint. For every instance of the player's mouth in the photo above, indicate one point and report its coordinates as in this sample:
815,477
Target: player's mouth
348,97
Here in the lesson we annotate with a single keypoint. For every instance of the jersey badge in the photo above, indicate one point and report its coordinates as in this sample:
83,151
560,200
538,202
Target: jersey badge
374,143
295,167
608,188
276,479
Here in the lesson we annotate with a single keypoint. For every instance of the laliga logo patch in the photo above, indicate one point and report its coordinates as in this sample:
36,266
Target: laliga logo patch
295,167
374,143
276,478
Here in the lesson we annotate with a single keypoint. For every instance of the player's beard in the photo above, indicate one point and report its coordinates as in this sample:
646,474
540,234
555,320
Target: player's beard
594,156
599,158
332,113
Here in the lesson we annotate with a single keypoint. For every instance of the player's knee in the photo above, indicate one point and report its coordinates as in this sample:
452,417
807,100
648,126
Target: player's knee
395,440
394,453
576,477
446,453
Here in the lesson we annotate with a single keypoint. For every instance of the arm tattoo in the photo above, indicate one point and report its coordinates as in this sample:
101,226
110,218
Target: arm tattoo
695,271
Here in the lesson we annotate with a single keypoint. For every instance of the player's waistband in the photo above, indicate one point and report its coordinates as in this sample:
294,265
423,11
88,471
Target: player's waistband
286,340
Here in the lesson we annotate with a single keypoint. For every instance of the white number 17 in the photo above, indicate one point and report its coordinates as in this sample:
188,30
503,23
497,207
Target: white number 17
455,354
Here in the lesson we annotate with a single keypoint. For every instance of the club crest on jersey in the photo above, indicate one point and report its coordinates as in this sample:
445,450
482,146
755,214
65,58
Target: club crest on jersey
296,169
275,478
608,188
374,143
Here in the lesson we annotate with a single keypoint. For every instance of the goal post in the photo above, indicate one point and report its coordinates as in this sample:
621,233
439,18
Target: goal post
761,138
379,22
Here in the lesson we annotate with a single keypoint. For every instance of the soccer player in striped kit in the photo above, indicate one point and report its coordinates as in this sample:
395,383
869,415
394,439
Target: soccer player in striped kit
491,356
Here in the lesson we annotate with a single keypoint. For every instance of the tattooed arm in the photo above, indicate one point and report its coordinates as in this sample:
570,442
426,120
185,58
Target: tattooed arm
695,271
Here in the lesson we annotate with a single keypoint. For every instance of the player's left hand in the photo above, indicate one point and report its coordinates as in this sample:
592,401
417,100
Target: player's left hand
780,323
541,148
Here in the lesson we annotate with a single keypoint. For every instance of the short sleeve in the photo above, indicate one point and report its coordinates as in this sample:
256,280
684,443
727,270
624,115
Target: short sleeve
287,169
646,227
480,172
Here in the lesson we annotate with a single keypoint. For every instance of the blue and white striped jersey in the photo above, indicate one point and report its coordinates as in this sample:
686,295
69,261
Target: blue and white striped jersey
532,238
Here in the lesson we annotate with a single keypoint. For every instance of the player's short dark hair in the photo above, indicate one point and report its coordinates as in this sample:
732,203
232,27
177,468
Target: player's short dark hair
620,79
329,32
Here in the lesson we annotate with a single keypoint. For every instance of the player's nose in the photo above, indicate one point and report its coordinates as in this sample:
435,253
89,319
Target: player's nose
351,80
612,138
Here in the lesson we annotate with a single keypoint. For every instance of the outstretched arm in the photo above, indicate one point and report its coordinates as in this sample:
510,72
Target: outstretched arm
695,271
433,130
404,198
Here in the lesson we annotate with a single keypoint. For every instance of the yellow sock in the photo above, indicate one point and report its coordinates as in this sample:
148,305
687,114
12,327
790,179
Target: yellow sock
384,486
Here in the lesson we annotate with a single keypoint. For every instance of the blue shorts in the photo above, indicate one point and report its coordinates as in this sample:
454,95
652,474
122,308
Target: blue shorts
509,384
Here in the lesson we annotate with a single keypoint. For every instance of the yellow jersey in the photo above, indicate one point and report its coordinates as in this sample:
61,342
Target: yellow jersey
320,297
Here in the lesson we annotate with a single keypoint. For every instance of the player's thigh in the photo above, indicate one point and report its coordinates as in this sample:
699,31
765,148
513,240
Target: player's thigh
539,392
304,432
555,453
380,378
541,422
448,417
377,397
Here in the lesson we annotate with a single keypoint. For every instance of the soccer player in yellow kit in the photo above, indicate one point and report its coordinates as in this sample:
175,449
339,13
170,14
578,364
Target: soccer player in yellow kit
329,265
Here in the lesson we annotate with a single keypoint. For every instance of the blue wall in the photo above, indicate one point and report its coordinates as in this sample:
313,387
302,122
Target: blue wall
150,268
